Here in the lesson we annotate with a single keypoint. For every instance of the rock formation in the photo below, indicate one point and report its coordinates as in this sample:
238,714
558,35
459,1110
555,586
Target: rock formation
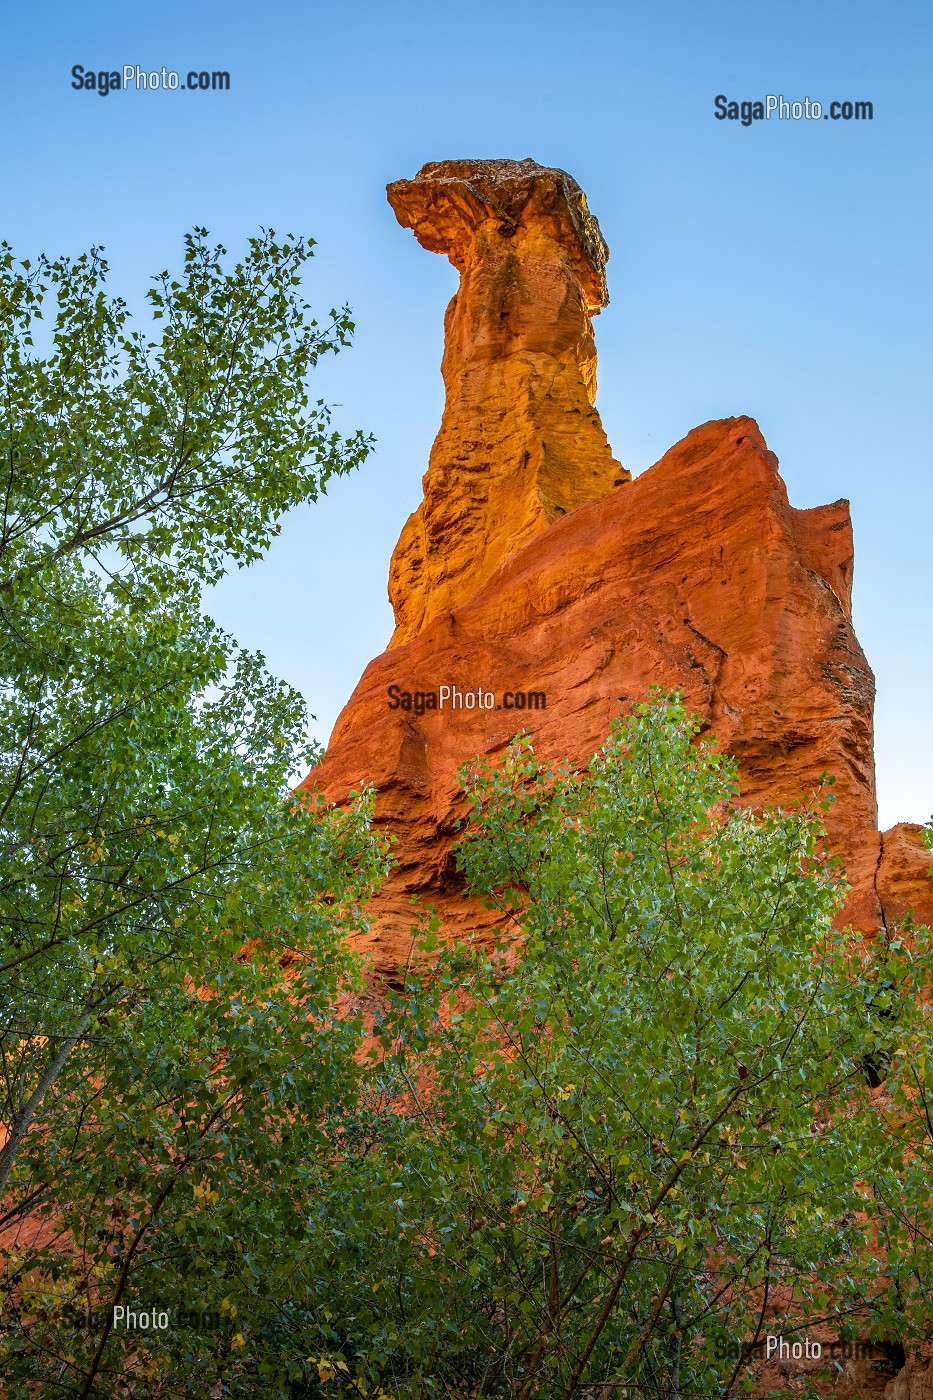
520,443
535,566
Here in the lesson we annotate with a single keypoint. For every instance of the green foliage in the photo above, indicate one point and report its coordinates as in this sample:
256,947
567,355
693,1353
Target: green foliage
176,451
621,1134
897,973
171,920
671,1107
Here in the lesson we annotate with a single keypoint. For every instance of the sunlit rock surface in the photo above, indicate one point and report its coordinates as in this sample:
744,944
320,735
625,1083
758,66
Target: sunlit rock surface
534,566
520,443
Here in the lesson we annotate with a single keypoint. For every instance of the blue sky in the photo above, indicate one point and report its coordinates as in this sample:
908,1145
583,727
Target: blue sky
781,270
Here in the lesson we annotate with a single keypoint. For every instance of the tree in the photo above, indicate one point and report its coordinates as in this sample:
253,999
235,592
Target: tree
171,920
669,1108
637,1133
898,982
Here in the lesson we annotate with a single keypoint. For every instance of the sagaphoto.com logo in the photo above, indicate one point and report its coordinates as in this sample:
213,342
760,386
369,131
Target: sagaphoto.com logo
749,110
130,77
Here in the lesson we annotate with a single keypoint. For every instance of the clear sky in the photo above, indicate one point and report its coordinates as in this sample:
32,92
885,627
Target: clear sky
781,269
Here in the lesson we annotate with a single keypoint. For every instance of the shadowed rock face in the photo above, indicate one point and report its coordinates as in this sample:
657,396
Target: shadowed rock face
525,570
520,443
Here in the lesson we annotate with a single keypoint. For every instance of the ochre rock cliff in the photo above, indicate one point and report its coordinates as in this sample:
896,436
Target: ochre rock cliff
534,566
520,443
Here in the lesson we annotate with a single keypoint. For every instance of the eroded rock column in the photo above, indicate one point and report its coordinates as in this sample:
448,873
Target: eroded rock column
520,443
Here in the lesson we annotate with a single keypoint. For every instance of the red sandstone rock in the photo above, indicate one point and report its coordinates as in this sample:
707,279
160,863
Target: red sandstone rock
903,875
520,443
915,1380
698,575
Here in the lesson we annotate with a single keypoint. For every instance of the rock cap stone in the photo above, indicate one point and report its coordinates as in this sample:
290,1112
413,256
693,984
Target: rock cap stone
448,200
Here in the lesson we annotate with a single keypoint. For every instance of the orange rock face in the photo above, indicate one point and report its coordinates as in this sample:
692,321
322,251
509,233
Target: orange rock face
526,573
520,442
